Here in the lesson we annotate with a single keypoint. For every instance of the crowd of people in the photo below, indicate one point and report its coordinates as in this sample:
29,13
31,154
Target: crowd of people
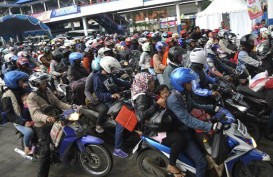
170,71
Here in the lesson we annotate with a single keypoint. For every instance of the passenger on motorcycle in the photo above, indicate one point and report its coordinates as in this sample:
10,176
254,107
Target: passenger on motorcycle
200,86
176,55
145,57
181,80
107,88
76,71
223,43
246,64
145,106
43,107
57,68
23,65
157,61
17,85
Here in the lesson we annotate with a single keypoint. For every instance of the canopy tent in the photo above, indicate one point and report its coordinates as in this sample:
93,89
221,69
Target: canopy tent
22,25
212,16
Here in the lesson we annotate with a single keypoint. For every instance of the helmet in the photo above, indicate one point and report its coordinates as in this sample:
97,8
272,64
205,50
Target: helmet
102,51
109,64
57,55
142,40
109,43
75,56
169,40
183,33
263,50
96,64
164,35
146,47
170,34
66,53
223,33
247,41
8,57
22,61
175,54
134,40
22,54
47,49
159,45
264,33
39,58
175,36
232,37
11,78
11,49
180,41
182,75
212,49
202,41
128,41
198,55
36,78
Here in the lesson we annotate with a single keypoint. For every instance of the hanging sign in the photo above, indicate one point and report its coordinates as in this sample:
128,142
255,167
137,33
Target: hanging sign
254,9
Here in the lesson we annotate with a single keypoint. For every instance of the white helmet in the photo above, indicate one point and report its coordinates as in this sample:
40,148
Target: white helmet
146,47
102,51
198,55
142,40
109,64
39,58
223,33
8,57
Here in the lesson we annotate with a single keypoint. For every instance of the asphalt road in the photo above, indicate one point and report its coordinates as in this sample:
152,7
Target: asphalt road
13,165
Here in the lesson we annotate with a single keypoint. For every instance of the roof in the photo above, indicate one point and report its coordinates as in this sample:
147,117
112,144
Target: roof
224,6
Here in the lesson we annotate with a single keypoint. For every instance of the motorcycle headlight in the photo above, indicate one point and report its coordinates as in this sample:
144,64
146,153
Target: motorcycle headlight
253,142
242,108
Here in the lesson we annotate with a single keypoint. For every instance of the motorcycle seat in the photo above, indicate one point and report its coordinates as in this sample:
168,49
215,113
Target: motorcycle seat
248,91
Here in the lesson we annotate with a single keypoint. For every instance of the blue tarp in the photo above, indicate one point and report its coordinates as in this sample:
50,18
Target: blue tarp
12,25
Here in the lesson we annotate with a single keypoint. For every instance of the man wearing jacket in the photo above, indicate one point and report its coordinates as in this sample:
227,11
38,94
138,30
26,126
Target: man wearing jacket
42,105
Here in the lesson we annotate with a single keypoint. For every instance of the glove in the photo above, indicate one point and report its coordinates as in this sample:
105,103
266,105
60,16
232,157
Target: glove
217,126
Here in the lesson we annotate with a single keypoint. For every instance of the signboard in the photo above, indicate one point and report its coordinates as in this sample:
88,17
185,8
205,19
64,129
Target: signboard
43,16
168,24
254,9
65,11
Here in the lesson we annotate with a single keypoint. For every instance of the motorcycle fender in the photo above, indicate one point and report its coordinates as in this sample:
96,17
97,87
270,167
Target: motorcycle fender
255,154
88,139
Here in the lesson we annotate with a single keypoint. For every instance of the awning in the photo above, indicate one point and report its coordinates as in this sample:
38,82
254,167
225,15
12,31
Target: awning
13,25
24,1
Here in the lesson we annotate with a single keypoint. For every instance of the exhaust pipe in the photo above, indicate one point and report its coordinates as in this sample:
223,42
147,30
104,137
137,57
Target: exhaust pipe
22,153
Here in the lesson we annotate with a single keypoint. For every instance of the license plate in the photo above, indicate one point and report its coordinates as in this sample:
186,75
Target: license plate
242,128
238,97
136,147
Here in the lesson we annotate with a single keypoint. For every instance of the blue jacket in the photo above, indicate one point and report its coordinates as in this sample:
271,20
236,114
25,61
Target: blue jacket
101,86
180,108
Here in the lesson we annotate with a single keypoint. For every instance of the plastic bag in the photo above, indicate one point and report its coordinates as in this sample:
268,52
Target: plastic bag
257,83
219,149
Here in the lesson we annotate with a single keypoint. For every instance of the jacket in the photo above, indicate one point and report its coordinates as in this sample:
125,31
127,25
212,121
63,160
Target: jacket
12,104
145,61
38,102
223,43
243,60
75,73
180,108
102,87
157,63
167,73
200,86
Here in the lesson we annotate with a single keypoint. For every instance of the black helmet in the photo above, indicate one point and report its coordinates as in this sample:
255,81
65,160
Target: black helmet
66,53
247,42
47,49
202,42
176,53
57,55
263,50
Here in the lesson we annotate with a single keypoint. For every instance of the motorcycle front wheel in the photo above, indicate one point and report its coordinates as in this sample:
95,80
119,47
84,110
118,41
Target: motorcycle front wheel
152,163
96,160
253,169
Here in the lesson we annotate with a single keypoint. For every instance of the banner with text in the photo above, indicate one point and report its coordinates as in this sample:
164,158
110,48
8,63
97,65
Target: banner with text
254,9
65,11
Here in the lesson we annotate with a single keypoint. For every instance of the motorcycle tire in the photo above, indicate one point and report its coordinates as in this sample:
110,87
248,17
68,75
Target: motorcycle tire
254,168
157,163
254,131
96,160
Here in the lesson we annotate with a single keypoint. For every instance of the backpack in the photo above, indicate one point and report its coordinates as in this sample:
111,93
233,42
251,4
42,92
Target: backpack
77,88
134,57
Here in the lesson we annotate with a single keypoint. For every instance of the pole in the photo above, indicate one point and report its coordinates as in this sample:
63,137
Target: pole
10,13
84,22
270,12
72,26
74,2
59,5
179,28
44,6
21,10
31,8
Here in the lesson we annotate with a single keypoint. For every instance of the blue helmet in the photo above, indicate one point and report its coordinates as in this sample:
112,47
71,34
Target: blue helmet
180,41
159,45
96,64
11,78
75,56
182,75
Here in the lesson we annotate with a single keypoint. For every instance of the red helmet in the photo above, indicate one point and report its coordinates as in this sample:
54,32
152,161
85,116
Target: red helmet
169,40
128,41
216,31
22,61
170,34
183,33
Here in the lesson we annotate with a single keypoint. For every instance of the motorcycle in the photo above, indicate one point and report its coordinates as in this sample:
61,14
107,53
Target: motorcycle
243,159
72,146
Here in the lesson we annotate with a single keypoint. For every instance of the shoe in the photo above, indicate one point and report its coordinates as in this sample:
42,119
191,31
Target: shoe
120,153
177,172
99,129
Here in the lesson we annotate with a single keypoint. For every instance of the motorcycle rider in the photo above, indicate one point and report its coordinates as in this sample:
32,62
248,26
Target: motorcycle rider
202,93
107,88
43,107
23,65
157,61
176,57
17,85
181,80
76,71
145,58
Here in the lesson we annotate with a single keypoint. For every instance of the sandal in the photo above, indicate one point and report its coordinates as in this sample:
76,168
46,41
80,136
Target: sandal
175,174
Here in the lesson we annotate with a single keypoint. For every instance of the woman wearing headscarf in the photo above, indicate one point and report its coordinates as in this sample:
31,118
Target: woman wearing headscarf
145,106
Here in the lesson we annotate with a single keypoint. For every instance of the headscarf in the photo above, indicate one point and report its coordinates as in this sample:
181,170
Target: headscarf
140,84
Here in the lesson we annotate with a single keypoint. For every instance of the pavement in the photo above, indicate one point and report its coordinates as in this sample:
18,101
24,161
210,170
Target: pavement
13,165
